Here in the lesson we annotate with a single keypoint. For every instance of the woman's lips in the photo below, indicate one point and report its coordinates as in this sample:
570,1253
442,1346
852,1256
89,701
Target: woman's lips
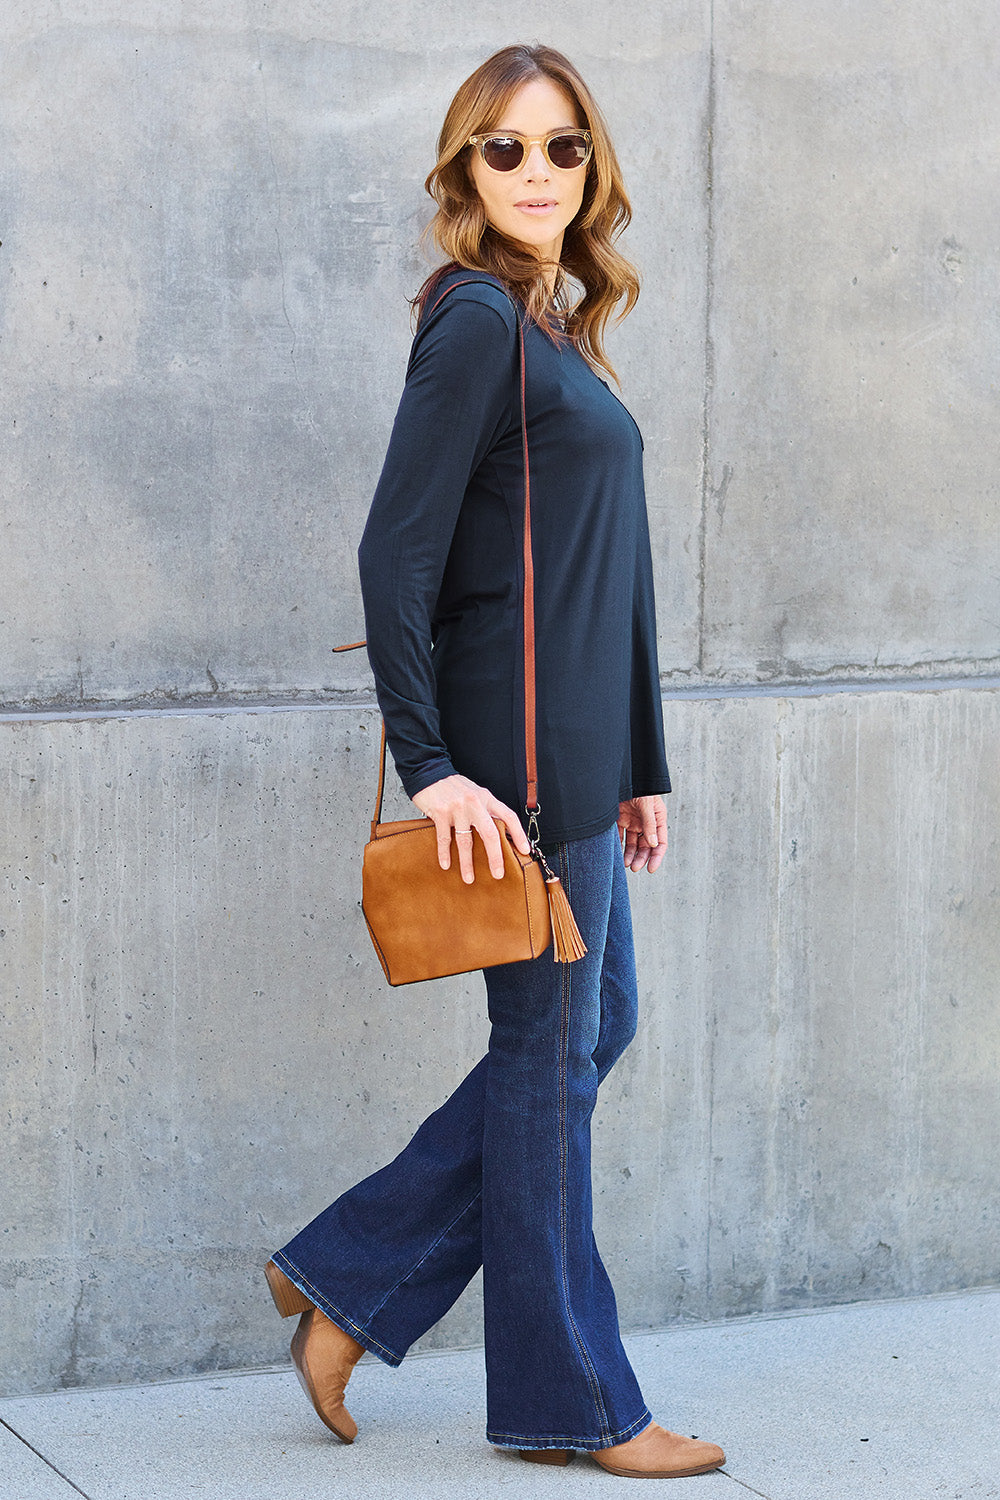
536,205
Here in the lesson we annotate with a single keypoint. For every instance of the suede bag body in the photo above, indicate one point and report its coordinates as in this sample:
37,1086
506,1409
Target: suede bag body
425,922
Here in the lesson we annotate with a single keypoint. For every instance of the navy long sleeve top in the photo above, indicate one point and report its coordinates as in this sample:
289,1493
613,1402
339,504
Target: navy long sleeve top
441,572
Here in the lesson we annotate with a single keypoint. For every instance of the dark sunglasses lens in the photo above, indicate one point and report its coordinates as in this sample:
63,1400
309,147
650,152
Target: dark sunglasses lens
504,153
568,151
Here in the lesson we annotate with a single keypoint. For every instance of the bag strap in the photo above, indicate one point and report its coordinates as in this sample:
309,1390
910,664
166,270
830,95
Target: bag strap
376,820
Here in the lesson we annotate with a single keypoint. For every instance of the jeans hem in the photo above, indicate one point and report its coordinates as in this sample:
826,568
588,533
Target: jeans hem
387,1356
562,1440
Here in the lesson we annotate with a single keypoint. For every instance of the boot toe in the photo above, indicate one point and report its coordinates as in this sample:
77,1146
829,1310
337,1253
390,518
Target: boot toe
324,1357
659,1454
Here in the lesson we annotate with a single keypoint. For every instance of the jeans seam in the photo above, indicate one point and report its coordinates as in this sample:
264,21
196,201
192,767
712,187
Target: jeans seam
429,1251
567,992
602,991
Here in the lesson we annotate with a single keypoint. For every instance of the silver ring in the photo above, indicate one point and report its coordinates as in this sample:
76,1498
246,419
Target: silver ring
460,831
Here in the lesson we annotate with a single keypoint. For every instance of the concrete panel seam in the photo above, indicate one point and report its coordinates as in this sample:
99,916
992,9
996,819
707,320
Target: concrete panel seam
748,1487
695,692
47,1461
822,688
709,366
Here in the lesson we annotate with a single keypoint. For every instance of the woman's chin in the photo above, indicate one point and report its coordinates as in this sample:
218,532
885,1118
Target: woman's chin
541,243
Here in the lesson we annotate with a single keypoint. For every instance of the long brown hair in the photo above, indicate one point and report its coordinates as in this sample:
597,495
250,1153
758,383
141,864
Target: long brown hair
461,231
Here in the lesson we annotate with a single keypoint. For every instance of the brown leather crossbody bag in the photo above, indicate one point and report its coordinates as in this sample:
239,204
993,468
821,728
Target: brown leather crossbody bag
426,922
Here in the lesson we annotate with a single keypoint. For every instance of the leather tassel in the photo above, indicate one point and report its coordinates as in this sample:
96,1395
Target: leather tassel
567,943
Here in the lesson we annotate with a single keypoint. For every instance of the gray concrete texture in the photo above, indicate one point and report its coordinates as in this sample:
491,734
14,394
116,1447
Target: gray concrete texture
209,232
201,1051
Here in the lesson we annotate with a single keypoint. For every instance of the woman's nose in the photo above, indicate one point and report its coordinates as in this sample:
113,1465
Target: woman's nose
536,165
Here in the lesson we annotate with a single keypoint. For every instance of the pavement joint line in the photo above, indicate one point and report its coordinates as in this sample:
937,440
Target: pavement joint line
743,1484
32,1449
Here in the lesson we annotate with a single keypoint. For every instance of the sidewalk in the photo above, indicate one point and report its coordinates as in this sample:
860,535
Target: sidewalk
869,1402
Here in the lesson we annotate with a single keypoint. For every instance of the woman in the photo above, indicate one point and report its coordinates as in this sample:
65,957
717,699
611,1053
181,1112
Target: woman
529,193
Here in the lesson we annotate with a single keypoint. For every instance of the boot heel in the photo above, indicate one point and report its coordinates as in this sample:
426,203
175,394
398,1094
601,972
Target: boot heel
559,1456
287,1297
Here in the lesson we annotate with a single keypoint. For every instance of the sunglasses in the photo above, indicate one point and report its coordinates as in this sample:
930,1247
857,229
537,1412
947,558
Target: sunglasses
504,151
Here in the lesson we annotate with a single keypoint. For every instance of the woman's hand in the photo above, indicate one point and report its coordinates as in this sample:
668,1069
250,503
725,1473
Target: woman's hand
642,825
456,803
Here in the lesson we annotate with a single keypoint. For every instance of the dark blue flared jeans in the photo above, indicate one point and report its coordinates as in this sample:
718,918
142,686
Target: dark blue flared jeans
499,1176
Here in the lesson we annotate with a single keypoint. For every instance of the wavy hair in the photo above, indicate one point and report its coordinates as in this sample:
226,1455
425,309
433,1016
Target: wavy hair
461,231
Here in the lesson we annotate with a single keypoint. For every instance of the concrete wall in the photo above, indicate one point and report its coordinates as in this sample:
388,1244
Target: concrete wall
209,231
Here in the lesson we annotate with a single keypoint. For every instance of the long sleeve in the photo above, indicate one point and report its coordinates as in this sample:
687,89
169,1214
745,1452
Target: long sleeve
458,398
647,773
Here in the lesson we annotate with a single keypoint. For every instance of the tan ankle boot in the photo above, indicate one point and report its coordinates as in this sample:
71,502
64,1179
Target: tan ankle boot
323,1354
659,1454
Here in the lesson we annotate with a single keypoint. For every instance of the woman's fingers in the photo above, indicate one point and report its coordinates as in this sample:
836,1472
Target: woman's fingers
655,858
512,823
642,825
634,824
639,855
628,836
490,835
647,811
654,812
495,810
443,829
462,811
463,842
656,855
483,827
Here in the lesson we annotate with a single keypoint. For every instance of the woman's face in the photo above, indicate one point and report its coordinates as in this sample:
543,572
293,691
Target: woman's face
533,204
